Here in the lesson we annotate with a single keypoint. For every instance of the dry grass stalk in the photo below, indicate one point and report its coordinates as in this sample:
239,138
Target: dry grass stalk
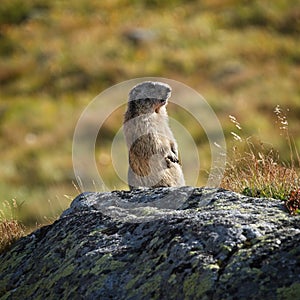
10,230
255,170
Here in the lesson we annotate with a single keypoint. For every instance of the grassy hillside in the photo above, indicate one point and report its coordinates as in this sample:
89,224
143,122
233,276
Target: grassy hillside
56,56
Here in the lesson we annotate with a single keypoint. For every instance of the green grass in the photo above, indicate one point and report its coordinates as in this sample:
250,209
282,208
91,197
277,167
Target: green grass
243,57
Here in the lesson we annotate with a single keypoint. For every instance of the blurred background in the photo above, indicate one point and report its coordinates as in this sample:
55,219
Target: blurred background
56,56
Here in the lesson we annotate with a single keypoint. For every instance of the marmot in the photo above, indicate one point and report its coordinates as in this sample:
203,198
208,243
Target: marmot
153,154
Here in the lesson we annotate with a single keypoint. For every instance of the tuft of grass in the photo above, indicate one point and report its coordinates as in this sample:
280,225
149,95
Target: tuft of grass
293,202
255,169
258,172
10,229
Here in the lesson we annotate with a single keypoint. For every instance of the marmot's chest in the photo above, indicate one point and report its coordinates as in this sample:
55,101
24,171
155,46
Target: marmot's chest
156,125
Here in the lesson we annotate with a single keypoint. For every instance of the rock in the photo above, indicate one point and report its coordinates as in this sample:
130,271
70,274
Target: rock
165,243
139,36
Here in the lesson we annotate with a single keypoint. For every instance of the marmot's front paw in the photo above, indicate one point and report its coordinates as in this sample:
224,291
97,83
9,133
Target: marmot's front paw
171,159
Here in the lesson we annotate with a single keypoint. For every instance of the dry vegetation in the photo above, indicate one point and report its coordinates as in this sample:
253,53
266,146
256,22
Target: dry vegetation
10,229
242,56
256,169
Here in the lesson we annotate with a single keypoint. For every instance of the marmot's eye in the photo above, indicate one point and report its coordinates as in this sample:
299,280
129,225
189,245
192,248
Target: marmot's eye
162,101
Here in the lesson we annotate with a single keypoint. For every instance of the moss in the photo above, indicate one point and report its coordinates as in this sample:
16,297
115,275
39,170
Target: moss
149,287
129,286
195,286
154,242
172,279
289,293
68,270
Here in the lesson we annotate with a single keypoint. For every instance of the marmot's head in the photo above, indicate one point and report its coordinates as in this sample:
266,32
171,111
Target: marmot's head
148,97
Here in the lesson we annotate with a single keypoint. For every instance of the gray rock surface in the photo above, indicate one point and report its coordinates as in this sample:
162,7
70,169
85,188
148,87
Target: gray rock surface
165,243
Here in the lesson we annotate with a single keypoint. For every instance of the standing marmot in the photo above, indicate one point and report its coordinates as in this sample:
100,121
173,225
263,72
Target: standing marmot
153,155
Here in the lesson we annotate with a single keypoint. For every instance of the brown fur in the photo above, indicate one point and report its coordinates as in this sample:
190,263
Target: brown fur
153,155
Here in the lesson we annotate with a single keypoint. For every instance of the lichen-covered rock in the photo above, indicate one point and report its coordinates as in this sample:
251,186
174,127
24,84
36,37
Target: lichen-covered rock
166,243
